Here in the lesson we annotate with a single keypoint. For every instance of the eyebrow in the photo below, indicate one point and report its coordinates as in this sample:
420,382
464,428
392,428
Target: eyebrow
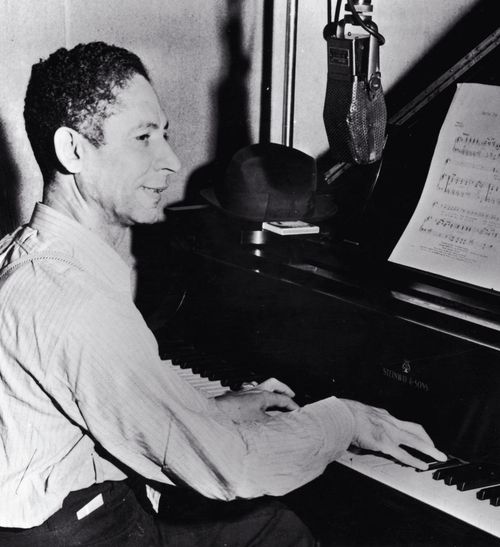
149,125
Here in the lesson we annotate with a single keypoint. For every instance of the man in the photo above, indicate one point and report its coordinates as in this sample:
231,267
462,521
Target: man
85,401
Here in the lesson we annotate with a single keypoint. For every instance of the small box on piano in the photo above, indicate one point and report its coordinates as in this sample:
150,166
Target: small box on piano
290,227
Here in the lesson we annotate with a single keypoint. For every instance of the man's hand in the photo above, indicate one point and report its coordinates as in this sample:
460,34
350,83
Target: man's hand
252,402
377,430
271,384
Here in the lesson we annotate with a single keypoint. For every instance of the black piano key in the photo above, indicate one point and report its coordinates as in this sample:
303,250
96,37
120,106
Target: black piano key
434,466
495,501
201,366
481,482
180,359
197,358
417,454
469,476
182,352
230,372
170,347
182,363
176,348
230,380
468,472
177,352
234,385
483,475
463,473
186,356
443,473
488,493
451,462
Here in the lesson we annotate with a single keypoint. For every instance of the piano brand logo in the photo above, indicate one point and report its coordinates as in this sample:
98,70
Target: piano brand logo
404,377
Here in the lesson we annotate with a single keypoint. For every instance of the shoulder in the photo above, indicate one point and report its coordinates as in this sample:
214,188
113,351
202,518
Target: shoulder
25,251
39,301
43,282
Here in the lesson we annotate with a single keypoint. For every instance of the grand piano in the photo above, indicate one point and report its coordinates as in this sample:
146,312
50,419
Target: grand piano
328,314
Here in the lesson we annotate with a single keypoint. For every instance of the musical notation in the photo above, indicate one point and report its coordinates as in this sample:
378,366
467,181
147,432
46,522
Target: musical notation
464,231
455,230
469,188
476,147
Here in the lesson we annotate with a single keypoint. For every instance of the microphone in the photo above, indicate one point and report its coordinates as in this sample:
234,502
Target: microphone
354,113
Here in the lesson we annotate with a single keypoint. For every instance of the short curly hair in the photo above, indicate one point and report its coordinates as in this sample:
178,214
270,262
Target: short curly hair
75,88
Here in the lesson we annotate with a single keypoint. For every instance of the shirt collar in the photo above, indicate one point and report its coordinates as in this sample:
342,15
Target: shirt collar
95,255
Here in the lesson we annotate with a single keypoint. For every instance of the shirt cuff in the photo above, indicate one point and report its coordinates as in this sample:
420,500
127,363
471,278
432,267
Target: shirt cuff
337,423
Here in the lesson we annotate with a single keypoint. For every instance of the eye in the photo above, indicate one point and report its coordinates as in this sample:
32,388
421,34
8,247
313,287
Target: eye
166,136
144,137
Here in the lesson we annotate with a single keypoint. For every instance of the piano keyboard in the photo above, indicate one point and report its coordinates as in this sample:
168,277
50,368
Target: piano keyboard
209,388
470,493
211,376
475,505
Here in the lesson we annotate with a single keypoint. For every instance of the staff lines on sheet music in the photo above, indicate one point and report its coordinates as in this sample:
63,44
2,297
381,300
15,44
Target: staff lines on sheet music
471,243
469,188
493,170
471,213
462,231
458,225
476,147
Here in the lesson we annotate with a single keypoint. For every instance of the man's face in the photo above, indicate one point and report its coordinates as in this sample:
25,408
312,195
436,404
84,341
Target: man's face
124,178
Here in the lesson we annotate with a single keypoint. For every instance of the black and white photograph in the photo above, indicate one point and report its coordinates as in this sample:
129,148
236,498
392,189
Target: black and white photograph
249,273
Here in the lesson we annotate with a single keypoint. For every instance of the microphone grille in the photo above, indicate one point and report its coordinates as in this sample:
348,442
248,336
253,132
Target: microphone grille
355,121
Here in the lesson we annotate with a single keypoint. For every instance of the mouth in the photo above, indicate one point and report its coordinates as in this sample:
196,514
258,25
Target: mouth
153,190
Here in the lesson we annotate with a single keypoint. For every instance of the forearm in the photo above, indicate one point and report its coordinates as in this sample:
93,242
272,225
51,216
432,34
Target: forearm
306,441
255,459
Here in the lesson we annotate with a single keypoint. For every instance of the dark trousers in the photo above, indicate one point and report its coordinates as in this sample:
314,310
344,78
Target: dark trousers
122,521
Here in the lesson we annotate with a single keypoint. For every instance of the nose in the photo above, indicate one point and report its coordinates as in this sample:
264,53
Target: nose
167,159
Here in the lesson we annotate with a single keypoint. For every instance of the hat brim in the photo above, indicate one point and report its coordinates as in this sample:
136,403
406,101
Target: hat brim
324,208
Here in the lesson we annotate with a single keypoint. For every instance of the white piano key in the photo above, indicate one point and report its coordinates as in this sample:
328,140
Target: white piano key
209,388
421,486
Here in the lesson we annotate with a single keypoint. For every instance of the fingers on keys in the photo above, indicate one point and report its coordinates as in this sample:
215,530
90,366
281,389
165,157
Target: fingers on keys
278,401
418,444
272,384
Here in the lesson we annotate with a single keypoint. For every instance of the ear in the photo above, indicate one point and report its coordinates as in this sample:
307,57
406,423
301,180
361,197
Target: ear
69,149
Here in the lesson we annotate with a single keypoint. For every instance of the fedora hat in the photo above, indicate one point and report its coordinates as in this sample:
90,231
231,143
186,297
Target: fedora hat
271,182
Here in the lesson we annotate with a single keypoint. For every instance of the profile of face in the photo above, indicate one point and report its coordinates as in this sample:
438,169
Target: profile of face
124,179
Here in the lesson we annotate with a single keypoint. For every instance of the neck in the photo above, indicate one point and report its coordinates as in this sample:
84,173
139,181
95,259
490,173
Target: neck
64,196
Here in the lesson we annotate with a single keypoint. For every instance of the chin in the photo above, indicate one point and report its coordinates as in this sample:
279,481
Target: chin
149,217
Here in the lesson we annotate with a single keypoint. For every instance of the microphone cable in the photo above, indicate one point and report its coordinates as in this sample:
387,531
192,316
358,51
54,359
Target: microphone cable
331,28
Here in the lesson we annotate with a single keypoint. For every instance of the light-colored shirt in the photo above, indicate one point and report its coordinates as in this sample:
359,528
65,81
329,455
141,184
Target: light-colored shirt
83,390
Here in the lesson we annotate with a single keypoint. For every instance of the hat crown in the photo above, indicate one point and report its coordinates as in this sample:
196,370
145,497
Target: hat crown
271,182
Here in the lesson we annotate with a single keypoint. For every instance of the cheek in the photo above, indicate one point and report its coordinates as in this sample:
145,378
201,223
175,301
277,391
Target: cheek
134,167
118,177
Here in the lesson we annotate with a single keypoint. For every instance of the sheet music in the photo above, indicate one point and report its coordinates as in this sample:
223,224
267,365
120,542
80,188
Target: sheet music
455,229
